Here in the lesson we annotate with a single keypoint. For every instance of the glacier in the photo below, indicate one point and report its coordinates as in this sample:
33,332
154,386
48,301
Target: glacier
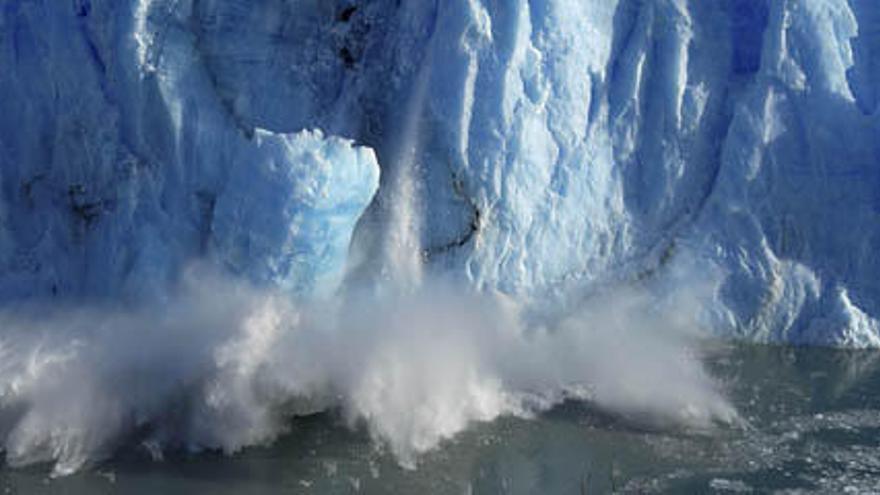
218,214
562,146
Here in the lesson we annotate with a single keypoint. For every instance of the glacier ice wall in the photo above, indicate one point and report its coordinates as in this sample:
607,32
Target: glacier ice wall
121,162
563,145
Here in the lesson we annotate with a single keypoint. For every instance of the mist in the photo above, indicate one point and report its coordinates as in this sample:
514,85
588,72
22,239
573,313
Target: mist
223,366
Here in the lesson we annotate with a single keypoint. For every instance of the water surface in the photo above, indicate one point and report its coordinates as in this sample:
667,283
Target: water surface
812,424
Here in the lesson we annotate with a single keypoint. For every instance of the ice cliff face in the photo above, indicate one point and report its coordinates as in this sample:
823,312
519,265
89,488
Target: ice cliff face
122,162
562,145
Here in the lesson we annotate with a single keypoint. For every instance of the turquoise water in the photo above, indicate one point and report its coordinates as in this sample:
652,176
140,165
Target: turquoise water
812,425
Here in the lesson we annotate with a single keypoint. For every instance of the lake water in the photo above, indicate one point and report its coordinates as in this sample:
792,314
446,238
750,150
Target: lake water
812,425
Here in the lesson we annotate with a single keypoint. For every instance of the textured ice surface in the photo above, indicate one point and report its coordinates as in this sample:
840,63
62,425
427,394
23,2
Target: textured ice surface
563,145
122,161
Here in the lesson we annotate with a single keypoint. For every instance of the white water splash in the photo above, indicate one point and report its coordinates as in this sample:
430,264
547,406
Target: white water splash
224,367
